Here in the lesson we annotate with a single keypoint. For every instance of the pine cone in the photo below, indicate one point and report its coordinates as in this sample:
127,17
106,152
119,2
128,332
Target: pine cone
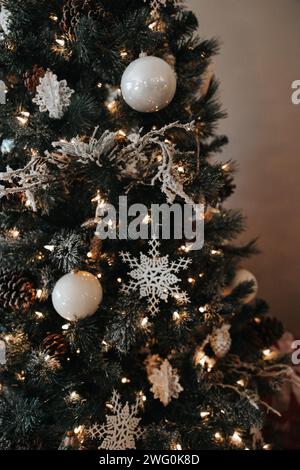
16,291
220,341
74,9
54,344
32,78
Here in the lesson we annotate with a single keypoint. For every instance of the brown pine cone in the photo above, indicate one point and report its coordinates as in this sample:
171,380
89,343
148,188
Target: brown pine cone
32,78
54,344
74,9
17,291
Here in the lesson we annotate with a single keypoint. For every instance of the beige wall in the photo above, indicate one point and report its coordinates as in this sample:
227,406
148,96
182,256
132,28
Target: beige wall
259,60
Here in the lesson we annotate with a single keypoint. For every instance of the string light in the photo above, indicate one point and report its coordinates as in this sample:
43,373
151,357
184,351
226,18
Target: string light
176,316
144,322
191,280
49,247
241,382
123,54
178,447
125,380
14,233
23,117
112,106
218,436
202,309
201,275
216,252
39,314
99,85
119,280
236,438
204,414
66,326
99,275
74,396
78,351
89,254
39,293
267,447
121,133
53,18
226,167
60,42
180,169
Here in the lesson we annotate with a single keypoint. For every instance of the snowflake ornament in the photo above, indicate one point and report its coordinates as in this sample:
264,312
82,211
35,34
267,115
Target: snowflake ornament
155,276
4,20
53,95
164,380
121,428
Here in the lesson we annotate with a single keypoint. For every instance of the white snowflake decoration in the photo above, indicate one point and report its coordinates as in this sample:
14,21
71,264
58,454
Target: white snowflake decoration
155,6
4,19
53,95
121,428
165,382
155,276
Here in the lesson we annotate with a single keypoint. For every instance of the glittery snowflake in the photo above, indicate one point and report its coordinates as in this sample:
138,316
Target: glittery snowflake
121,428
164,380
53,95
155,276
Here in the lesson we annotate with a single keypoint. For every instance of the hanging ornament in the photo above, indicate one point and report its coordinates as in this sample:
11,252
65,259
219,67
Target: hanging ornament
220,341
7,146
77,295
241,276
164,379
148,84
121,429
52,95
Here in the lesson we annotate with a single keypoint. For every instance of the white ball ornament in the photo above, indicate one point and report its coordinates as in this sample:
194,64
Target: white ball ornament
148,84
243,275
77,295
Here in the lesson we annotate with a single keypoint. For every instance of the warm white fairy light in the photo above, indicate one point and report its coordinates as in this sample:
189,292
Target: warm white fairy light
123,54
78,429
267,447
121,133
269,354
119,280
201,275
14,233
144,322
39,314
53,18
78,351
241,382
216,252
89,254
202,309
39,293
236,438
191,280
60,42
226,167
176,316
99,85
178,447
74,396
23,117
49,247
125,380
180,169
66,326
204,414
99,275
218,436
112,106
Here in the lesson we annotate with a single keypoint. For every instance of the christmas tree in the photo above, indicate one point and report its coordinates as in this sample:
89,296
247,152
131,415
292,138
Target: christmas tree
108,341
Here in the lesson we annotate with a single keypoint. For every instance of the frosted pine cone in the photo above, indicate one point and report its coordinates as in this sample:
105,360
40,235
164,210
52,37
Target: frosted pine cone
16,291
220,341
